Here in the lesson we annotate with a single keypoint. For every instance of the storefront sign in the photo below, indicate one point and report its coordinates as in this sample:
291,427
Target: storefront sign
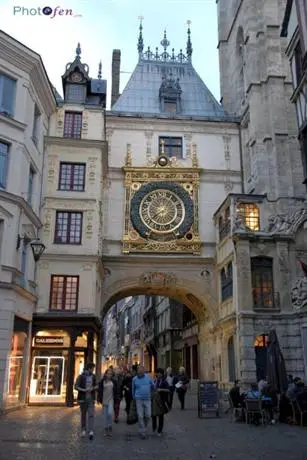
49,340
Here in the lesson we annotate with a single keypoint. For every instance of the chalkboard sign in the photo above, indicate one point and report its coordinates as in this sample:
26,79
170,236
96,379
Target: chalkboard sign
208,398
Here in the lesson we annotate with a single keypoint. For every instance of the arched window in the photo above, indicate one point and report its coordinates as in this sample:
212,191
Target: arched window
262,282
231,360
249,213
226,282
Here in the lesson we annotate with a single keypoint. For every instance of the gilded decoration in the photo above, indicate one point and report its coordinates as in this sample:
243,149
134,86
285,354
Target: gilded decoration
171,189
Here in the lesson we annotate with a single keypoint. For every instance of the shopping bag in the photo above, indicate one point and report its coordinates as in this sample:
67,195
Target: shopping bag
132,417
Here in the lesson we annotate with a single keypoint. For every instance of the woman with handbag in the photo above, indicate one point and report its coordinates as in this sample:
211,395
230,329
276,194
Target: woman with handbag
160,399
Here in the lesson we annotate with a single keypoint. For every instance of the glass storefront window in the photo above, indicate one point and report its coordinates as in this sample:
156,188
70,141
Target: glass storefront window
49,376
15,366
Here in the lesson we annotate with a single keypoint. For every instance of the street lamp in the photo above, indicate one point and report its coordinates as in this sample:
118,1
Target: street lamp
37,246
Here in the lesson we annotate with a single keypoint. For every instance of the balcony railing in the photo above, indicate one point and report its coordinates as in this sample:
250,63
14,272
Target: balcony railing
266,300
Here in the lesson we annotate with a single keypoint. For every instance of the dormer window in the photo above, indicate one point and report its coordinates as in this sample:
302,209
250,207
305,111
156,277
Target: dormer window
170,146
75,93
170,95
249,213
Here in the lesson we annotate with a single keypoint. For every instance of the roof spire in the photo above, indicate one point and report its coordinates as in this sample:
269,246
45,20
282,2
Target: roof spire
140,40
78,51
99,70
189,43
165,43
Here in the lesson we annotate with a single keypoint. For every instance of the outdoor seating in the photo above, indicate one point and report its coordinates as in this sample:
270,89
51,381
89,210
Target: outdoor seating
298,411
254,407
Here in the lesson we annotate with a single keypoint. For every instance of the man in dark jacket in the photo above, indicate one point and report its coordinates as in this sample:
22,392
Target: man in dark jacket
86,385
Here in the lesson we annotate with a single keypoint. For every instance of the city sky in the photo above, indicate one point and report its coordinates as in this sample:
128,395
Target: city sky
103,25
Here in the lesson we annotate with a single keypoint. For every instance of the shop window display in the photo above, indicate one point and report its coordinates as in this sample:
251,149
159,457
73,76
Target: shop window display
15,366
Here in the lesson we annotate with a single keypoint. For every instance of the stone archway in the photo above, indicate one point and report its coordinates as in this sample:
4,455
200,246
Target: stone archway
188,285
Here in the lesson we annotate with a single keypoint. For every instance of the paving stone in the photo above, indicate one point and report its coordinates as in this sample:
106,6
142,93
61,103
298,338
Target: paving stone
52,433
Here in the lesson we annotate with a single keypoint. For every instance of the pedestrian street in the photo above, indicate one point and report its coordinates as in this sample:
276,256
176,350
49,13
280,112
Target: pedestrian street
49,433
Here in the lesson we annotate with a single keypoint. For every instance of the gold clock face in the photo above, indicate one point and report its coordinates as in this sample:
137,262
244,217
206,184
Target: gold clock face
162,211
76,77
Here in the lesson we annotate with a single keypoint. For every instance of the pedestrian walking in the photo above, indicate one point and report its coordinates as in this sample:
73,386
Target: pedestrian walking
86,385
107,393
127,391
181,383
170,381
118,377
160,401
142,386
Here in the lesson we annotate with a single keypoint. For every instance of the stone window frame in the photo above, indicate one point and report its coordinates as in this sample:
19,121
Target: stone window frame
64,292
262,279
250,215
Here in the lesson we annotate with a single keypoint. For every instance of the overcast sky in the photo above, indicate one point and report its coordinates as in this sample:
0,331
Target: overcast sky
102,25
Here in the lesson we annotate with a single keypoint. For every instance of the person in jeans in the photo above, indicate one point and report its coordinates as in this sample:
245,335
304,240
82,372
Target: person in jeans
107,394
181,383
142,386
160,401
86,385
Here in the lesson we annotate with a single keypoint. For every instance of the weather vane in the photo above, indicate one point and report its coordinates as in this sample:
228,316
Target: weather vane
140,18
189,23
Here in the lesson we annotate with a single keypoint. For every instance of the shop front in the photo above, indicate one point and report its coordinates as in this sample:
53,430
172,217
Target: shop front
59,354
17,364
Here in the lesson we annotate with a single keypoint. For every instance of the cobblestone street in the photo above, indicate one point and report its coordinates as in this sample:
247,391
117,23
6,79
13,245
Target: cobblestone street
53,433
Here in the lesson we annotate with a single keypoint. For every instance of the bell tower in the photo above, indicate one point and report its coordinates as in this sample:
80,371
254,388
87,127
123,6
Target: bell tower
256,85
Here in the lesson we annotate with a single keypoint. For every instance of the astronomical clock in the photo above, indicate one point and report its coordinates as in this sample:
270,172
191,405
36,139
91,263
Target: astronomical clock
161,209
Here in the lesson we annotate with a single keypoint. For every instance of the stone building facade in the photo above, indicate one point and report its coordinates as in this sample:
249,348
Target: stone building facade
26,103
267,247
67,323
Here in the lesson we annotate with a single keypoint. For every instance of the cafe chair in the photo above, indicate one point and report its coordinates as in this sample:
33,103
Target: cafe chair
298,411
254,407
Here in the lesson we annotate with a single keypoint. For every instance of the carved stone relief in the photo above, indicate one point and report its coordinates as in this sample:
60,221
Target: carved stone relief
84,124
60,123
285,223
158,278
149,136
299,293
188,141
243,264
91,168
47,222
52,163
238,225
89,225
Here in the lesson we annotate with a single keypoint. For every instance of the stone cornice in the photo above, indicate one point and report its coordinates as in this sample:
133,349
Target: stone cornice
19,290
263,236
267,315
147,259
12,122
30,62
77,143
23,205
67,200
153,124
81,258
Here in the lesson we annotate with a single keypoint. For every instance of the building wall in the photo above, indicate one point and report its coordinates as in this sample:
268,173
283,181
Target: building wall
218,150
20,204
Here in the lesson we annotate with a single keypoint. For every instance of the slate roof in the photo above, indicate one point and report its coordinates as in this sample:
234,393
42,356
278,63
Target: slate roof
141,94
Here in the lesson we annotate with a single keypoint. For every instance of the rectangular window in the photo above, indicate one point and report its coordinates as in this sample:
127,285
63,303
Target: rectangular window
36,125
298,63
64,293
68,227
30,185
73,125
262,282
226,283
75,93
7,95
171,146
72,177
4,163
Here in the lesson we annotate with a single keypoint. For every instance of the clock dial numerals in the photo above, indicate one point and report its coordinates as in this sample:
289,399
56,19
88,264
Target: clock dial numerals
162,211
